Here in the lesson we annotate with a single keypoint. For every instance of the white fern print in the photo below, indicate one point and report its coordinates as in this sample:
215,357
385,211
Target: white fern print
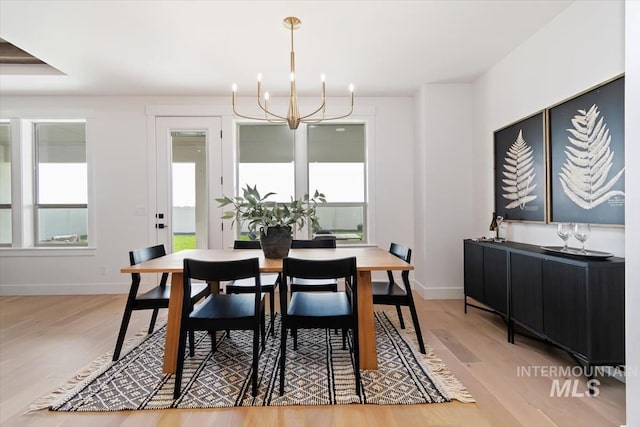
518,174
589,161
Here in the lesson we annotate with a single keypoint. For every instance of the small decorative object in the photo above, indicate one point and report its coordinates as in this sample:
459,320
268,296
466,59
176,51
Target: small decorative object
565,230
274,220
493,227
499,221
581,232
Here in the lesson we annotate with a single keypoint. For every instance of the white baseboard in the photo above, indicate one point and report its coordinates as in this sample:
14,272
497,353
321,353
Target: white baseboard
438,292
64,289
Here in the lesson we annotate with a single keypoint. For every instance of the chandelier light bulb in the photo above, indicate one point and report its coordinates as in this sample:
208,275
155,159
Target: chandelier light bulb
351,88
322,78
234,87
292,76
266,96
259,77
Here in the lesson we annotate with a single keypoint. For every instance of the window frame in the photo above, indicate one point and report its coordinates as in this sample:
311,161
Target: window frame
301,175
9,206
37,206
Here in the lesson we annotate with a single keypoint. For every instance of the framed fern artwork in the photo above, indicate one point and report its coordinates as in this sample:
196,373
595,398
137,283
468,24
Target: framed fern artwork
586,156
519,170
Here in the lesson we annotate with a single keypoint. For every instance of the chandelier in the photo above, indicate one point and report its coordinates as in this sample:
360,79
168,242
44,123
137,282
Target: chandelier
293,117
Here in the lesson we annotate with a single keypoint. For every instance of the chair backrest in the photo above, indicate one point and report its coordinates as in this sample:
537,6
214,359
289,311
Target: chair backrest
220,271
343,268
138,256
246,244
313,244
404,253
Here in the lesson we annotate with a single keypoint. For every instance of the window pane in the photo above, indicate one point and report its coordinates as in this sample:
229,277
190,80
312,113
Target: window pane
5,226
189,180
62,163
266,159
62,225
346,222
5,164
337,162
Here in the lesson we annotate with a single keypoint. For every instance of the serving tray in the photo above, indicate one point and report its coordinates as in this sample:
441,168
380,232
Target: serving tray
576,252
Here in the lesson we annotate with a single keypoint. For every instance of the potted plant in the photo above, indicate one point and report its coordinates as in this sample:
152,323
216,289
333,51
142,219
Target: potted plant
274,220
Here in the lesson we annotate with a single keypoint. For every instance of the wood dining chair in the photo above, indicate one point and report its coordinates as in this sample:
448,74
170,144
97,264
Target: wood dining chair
390,293
154,299
323,310
269,281
222,312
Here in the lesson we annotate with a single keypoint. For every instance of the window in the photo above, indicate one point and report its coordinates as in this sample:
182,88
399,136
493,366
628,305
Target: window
265,159
336,155
331,159
60,184
5,184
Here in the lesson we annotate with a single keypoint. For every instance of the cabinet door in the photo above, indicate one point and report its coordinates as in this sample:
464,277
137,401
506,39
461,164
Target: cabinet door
494,264
473,271
526,291
565,305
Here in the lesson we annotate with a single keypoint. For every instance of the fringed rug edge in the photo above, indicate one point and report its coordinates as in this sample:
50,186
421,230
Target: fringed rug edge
87,374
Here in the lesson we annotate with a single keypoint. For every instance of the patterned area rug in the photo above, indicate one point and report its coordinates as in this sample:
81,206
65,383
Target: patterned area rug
320,372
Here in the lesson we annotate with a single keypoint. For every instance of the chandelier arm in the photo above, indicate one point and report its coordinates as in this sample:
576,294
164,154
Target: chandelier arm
246,117
269,113
327,118
321,108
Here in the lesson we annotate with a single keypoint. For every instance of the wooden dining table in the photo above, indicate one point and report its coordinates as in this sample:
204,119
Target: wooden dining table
368,259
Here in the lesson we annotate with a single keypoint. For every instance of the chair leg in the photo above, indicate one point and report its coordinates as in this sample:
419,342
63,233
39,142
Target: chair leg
399,310
180,362
192,343
123,331
212,334
254,363
344,338
294,334
416,326
272,307
356,360
154,316
283,355
263,329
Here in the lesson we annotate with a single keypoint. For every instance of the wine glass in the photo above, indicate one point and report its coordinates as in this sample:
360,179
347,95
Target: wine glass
581,232
564,231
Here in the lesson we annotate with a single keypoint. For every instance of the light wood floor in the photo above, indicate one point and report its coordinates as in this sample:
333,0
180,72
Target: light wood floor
44,340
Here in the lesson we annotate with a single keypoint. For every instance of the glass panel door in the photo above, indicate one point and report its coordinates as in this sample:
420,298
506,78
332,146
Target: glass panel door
188,180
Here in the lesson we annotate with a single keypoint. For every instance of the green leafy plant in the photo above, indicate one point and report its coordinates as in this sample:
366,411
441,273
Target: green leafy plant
253,209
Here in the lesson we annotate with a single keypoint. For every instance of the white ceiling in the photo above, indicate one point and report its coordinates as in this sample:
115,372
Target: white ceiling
202,47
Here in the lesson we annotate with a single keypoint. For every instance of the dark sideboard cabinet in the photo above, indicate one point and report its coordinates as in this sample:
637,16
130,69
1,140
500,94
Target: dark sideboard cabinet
575,303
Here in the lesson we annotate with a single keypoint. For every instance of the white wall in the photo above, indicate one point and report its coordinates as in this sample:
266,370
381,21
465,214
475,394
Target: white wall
443,161
580,48
632,160
118,134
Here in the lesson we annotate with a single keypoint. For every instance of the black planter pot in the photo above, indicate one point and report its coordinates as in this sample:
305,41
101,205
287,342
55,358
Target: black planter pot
276,241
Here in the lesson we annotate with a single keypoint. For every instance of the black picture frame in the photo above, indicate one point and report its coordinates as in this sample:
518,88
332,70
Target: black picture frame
586,156
520,170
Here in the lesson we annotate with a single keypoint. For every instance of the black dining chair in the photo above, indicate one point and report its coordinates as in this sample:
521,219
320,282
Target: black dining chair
269,281
222,312
154,299
299,284
390,293
323,310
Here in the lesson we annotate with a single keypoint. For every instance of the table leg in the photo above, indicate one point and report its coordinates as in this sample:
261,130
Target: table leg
366,327
173,325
